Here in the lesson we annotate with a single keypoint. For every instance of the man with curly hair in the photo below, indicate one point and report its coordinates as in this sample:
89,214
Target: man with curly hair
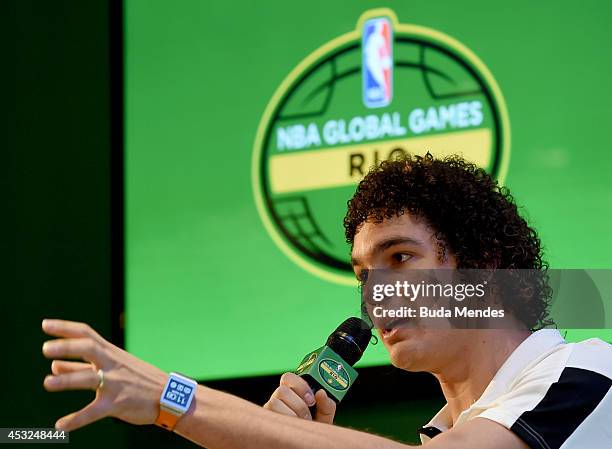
505,388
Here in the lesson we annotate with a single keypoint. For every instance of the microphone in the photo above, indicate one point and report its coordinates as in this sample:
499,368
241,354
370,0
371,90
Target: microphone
331,366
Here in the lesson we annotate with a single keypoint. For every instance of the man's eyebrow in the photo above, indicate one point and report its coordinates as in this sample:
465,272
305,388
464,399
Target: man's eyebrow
388,243
392,241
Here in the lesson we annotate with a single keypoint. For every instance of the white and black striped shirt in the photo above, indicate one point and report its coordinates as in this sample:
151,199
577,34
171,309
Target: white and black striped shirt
552,394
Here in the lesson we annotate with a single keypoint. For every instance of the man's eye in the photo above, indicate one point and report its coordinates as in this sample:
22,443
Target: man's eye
402,257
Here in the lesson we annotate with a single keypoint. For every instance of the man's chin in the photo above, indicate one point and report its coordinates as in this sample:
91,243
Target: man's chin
404,355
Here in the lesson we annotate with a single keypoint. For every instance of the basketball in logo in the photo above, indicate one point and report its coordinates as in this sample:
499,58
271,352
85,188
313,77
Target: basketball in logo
380,91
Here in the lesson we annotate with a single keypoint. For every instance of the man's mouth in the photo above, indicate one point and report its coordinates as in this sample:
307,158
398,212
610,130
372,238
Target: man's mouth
391,326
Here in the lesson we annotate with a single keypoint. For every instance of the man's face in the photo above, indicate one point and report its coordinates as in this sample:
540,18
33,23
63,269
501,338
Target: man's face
404,243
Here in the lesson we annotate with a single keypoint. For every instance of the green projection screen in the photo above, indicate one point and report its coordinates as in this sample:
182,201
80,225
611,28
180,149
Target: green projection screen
248,126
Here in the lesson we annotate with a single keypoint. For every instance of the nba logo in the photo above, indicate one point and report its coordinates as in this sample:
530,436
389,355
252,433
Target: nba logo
377,62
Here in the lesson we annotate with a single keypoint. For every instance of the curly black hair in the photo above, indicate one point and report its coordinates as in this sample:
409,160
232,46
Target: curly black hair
470,215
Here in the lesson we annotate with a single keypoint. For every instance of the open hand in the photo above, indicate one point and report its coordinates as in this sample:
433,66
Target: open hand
131,388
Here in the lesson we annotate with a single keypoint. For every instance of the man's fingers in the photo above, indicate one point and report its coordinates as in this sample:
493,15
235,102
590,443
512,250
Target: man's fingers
88,414
78,380
63,367
278,406
73,348
293,401
326,408
69,329
300,386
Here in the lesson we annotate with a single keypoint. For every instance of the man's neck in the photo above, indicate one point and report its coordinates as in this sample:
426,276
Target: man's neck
463,383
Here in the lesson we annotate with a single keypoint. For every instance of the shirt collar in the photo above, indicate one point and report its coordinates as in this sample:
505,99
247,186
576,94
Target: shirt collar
533,347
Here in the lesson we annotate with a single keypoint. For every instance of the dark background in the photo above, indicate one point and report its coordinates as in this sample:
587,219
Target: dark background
65,231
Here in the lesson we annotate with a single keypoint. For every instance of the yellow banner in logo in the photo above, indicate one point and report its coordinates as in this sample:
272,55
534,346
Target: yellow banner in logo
341,166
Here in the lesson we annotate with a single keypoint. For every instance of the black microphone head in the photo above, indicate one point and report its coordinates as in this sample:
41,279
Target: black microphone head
350,339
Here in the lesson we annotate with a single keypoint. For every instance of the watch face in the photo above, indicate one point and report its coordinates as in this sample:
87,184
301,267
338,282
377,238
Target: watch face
178,393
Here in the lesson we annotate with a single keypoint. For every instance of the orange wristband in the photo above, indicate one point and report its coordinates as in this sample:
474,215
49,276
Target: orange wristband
166,419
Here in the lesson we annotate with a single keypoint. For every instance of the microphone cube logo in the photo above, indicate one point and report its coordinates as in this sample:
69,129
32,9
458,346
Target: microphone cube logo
377,62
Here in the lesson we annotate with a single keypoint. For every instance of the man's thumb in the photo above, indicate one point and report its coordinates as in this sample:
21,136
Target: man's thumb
326,408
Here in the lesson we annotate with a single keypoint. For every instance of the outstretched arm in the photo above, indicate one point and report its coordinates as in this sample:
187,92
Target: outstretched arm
216,420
